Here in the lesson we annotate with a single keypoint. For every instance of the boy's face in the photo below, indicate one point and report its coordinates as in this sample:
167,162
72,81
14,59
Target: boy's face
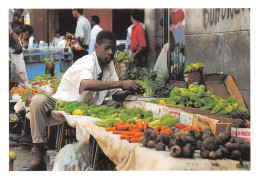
17,29
105,51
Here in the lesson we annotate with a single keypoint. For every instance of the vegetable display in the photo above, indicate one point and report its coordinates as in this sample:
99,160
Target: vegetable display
198,97
166,133
44,77
17,90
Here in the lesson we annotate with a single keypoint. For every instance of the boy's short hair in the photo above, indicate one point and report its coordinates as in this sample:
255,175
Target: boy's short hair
105,34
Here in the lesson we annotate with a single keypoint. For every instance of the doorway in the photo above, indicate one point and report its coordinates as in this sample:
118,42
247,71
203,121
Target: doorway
62,20
121,21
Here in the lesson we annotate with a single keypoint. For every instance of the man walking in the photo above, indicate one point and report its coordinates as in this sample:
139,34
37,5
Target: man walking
82,35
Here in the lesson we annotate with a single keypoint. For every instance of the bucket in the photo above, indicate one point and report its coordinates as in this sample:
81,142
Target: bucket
195,77
122,67
49,68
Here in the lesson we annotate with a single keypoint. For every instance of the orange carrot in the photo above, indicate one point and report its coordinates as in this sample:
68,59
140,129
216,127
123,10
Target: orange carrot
165,127
122,127
135,130
121,122
138,135
145,126
116,124
188,127
119,132
134,140
140,124
111,129
179,125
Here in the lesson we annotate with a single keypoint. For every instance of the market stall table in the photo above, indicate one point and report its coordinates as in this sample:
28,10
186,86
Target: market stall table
132,156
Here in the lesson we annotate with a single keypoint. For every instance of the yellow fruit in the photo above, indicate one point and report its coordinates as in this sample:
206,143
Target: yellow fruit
13,119
77,112
162,102
12,155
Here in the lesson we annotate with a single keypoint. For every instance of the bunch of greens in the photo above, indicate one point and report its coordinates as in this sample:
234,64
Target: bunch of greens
194,67
156,87
124,57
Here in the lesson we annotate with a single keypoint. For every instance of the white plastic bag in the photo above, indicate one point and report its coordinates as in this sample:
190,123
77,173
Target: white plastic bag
73,157
18,70
161,63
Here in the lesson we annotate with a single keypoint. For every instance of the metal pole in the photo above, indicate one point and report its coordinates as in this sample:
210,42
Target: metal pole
169,52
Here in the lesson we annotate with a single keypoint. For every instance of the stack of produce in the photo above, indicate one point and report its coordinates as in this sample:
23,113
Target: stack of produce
124,57
131,132
165,120
27,96
43,77
194,67
224,146
17,90
198,97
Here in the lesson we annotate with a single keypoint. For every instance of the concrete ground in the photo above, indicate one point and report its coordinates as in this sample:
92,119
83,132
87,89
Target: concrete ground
24,153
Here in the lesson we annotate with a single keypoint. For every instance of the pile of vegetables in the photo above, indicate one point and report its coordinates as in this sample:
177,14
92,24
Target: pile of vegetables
198,97
224,146
44,77
155,87
17,90
49,61
183,143
54,83
124,57
131,132
136,125
194,67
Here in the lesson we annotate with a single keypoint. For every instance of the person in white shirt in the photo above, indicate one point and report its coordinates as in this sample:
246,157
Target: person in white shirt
128,38
82,35
90,79
94,21
58,38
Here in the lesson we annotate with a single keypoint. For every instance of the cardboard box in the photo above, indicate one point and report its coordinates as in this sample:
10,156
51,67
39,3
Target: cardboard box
224,86
243,133
216,124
